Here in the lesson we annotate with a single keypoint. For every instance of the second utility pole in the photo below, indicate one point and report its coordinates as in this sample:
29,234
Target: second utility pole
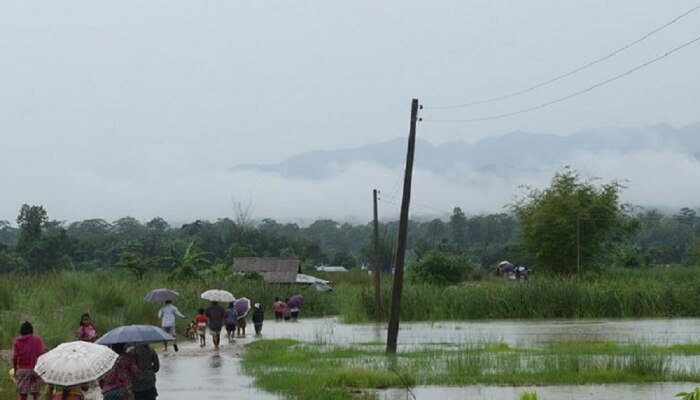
393,332
377,268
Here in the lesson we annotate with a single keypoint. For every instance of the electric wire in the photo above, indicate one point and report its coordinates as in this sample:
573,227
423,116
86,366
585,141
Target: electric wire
572,72
571,95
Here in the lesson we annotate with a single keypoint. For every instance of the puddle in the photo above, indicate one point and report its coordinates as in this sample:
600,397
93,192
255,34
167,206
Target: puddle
515,333
195,373
665,391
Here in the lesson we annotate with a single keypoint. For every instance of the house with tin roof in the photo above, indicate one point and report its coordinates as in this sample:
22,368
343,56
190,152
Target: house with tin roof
272,269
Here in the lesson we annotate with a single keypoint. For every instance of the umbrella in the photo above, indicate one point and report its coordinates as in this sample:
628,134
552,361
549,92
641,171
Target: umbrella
161,295
74,363
506,265
242,306
295,301
137,334
218,295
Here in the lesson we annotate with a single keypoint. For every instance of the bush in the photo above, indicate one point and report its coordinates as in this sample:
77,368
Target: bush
438,268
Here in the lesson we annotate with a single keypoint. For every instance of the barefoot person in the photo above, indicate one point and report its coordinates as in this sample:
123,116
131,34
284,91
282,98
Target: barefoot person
258,317
230,318
201,320
25,351
216,319
167,315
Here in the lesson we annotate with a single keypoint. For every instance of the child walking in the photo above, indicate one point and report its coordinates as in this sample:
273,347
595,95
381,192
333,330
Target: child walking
230,317
201,321
258,317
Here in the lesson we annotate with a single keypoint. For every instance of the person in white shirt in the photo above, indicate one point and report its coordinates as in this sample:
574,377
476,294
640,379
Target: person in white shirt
167,315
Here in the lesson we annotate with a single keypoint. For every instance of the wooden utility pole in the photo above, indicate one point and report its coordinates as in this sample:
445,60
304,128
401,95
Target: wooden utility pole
393,333
377,270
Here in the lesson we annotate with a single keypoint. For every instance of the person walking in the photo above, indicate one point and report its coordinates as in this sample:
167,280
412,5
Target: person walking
231,315
258,317
76,392
116,385
201,320
278,308
216,319
144,388
26,349
167,315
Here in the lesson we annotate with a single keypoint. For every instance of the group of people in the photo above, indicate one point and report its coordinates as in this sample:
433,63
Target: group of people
214,318
133,376
283,311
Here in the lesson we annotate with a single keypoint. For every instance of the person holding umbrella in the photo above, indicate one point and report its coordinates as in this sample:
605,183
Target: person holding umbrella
70,368
167,315
26,350
216,319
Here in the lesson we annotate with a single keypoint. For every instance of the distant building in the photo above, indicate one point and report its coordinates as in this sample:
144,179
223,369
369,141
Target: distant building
330,268
272,269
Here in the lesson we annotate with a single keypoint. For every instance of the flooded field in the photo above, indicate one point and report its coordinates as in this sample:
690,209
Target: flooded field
208,374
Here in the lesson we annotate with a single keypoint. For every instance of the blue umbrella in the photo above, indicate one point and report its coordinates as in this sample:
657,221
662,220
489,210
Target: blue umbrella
136,334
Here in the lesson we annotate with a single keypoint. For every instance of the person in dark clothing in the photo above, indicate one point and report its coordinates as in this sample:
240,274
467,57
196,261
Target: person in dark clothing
258,317
148,364
216,320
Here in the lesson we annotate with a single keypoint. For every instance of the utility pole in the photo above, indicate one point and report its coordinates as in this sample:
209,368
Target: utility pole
393,332
578,245
377,270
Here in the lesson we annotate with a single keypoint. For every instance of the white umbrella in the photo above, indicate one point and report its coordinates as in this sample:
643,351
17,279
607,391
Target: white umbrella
73,363
219,295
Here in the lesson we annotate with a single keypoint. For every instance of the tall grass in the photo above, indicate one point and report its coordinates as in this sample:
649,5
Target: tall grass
54,302
658,294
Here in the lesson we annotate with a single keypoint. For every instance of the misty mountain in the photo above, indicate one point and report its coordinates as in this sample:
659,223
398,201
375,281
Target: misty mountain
501,155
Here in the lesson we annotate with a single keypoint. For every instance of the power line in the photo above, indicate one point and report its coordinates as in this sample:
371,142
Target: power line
574,71
569,96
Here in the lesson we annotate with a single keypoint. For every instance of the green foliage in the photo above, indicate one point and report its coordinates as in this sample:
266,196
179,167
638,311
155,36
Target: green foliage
645,293
190,263
571,220
438,268
694,395
133,263
528,396
31,220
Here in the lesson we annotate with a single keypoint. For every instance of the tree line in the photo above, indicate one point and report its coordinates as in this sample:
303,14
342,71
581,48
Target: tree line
572,223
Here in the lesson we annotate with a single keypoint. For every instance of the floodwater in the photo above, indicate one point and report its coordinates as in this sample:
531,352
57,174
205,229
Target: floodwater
204,373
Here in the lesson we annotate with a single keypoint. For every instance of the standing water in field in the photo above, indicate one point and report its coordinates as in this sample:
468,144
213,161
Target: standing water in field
204,373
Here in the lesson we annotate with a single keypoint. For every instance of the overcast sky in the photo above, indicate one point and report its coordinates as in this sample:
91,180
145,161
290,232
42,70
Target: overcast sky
139,108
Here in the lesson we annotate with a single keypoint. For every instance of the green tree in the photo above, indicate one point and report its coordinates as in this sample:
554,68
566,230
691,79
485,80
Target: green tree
31,221
458,224
439,268
570,219
133,263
